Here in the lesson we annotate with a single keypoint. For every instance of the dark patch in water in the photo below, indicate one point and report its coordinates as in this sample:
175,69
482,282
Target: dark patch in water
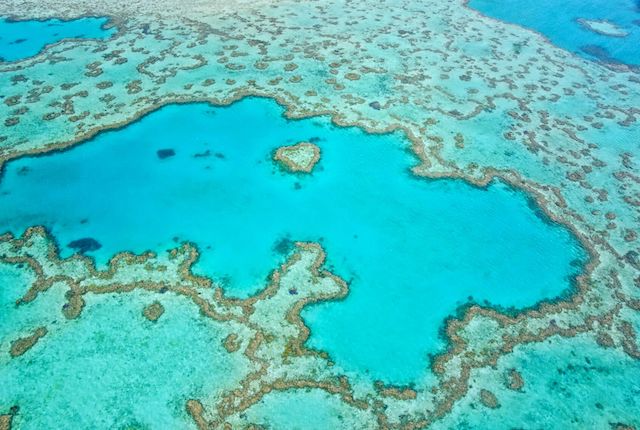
18,41
314,139
206,153
85,244
283,246
599,53
165,153
23,171
219,155
633,258
596,51
375,105
577,263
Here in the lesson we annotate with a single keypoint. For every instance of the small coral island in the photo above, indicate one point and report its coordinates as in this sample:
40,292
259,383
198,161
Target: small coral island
603,27
301,157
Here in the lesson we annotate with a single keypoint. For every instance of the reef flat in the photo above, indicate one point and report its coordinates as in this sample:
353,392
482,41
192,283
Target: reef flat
479,100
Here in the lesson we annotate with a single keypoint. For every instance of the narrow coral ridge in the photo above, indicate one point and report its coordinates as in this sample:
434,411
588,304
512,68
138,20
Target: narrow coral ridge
301,157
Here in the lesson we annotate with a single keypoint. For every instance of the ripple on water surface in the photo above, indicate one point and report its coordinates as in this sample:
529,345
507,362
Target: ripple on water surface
23,39
413,249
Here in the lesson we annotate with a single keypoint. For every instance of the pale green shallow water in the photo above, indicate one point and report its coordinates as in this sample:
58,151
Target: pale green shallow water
111,368
568,383
413,250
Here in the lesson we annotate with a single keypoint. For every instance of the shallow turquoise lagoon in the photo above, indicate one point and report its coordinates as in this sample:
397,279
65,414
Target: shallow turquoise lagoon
557,20
23,39
413,250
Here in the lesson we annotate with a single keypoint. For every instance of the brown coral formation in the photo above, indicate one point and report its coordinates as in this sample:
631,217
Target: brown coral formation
24,344
232,343
196,411
488,399
301,157
154,311
5,422
514,380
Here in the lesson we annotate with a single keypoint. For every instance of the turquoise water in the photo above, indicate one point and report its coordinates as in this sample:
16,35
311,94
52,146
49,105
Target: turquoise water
413,250
556,19
314,410
111,368
568,384
23,39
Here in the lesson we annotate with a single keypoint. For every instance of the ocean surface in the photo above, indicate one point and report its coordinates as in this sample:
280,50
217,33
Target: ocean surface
20,39
559,21
413,250
441,304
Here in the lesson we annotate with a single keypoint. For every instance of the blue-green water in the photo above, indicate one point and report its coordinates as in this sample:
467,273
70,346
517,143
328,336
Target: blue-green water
314,410
557,20
23,39
111,368
568,384
413,249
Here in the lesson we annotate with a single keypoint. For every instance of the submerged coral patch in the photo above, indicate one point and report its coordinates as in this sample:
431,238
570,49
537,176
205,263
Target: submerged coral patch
84,245
154,311
165,153
22,345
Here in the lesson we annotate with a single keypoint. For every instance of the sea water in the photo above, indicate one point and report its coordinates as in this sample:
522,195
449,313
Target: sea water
110,368
412,250
558,20
23,39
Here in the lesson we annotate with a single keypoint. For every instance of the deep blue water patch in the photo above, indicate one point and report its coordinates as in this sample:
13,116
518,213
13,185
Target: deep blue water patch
24,39
413,250
84,245
558,21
